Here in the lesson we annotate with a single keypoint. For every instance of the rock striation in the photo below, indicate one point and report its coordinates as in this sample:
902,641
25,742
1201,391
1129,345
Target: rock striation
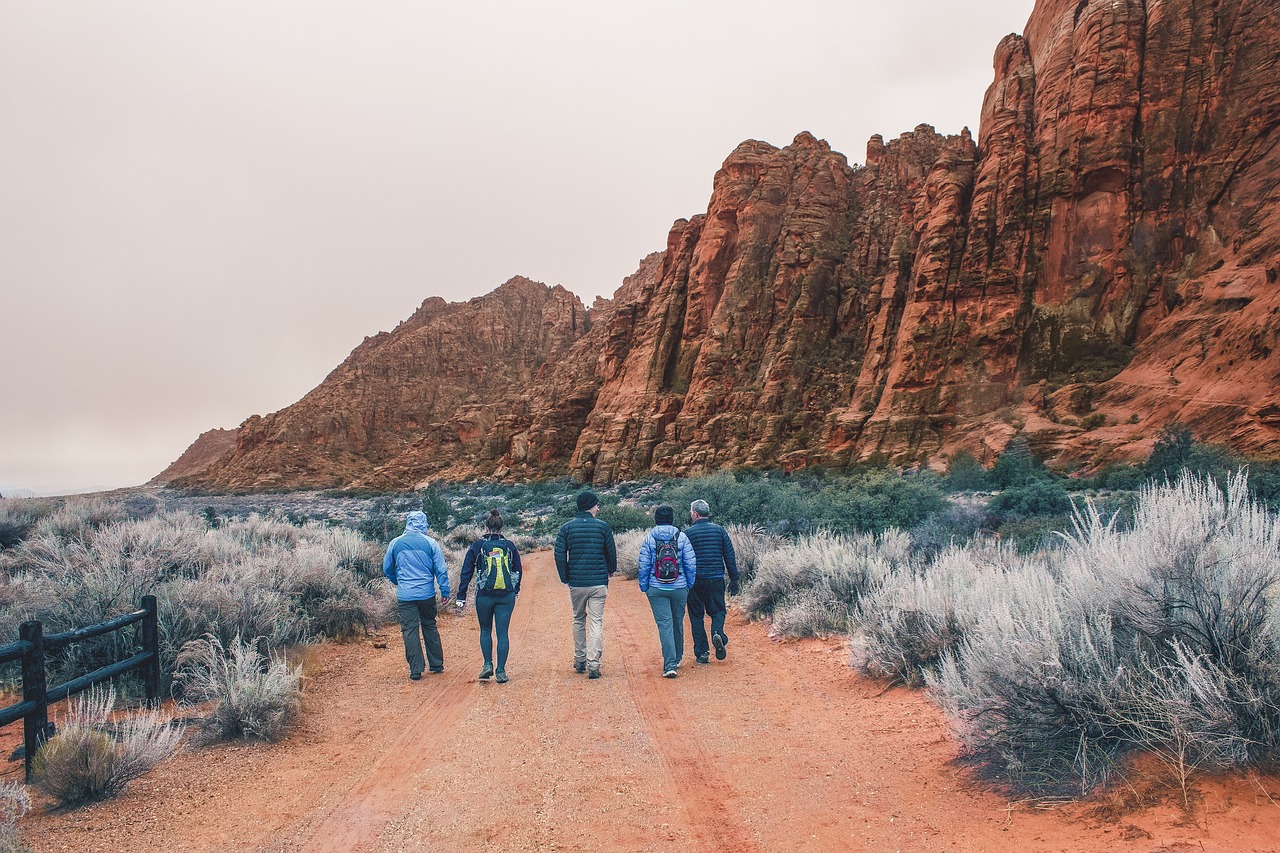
1101,261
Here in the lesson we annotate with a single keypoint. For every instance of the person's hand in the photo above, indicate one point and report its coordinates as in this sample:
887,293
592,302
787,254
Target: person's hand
734,588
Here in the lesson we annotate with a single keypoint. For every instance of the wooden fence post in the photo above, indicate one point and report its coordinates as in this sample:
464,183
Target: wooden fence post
151,644
35,726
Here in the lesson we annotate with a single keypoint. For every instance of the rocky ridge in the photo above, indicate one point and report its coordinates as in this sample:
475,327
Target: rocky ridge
1101,261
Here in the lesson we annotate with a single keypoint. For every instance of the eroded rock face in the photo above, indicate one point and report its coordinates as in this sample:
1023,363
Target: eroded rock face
448,381
210,447
1108,250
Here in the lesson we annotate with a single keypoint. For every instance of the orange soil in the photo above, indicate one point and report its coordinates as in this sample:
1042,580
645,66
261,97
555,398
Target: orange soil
780,747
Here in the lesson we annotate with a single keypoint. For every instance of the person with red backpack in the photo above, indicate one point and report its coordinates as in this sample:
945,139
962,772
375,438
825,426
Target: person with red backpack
495,562
667,571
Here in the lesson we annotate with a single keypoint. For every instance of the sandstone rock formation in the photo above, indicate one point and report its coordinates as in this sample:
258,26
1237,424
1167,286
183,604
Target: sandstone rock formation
1101,262
211,446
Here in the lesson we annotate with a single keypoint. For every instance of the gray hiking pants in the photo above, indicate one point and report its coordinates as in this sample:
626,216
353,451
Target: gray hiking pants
588,623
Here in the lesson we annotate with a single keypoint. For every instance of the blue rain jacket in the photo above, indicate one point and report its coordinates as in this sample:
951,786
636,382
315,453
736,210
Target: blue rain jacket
415,563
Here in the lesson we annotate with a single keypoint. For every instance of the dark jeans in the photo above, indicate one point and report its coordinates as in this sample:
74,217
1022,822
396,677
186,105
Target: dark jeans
412,614
706,599
490,609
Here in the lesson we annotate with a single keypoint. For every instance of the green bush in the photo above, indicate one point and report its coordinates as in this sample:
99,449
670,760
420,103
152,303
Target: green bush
966,474
1017,466
1033,499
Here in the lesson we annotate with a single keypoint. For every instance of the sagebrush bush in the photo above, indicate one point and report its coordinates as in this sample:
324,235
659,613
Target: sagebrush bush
1162,636
14,804
19,516
921,610
812,586
90,758
254,576
253,695
628,544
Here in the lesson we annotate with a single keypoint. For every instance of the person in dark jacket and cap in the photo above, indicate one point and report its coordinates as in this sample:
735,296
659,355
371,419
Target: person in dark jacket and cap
415,564
586,557
714,553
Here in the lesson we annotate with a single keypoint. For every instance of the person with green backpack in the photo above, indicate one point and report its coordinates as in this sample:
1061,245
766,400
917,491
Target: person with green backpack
495,562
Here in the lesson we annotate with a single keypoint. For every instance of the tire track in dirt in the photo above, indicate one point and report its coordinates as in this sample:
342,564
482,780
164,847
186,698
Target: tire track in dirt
710,803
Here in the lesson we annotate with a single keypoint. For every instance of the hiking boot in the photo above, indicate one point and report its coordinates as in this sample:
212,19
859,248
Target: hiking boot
415,676
704,658
671,673
593,673
502,677
719,641
486,671
579,666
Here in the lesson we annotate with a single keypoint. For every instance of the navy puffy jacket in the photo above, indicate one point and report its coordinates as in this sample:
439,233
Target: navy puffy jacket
713,548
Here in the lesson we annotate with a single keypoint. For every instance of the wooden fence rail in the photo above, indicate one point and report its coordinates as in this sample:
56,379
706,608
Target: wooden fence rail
31,648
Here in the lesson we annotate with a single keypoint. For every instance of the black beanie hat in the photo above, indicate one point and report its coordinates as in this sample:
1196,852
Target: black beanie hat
664,514
587,500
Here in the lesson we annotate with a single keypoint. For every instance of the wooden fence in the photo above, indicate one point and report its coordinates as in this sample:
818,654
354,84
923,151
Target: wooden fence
31,648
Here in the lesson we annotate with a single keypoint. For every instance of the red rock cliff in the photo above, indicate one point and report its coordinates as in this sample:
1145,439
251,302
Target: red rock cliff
1102,261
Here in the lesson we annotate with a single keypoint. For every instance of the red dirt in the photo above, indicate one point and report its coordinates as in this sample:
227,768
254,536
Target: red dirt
780,747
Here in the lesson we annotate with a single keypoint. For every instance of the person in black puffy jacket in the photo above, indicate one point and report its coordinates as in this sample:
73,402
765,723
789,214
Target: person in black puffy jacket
586,557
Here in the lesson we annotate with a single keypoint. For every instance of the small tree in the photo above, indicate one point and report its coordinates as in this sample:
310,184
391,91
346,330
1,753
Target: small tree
966,474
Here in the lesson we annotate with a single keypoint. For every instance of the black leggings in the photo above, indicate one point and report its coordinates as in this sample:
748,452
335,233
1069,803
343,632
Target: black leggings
491,608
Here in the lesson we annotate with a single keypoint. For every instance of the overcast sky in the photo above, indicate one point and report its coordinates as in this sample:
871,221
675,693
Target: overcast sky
204,206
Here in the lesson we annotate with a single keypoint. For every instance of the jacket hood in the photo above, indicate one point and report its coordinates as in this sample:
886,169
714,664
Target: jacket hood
416,522
666,531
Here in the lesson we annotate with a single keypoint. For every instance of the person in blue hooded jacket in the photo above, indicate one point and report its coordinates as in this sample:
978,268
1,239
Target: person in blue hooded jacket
667,569
415,564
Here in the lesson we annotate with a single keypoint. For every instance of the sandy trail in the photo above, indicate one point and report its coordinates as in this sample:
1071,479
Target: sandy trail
780,747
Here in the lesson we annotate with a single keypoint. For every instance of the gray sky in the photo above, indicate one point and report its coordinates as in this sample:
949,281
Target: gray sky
205,206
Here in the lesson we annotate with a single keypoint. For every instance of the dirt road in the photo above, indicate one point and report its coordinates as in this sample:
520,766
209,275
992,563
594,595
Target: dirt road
780,747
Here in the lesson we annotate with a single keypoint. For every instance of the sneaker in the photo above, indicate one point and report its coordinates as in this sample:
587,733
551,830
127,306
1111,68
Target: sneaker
436,671
593,673
502,677
679,662
415,676
486,671
671,673
704,658
719,642
579,666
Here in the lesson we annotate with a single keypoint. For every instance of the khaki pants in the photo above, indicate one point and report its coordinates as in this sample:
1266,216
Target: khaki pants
588,623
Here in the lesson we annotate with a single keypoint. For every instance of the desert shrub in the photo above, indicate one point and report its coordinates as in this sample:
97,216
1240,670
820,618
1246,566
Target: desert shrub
624,517
877,501
90,757
1017,466
253,696
14,805
1034,498
812,586
921,610
745,498
965,473
1162,635
19,516
252,576
628,544
750,544
333,601
76,517
957,524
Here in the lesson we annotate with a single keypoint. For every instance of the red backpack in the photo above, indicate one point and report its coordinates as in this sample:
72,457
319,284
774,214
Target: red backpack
666,559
